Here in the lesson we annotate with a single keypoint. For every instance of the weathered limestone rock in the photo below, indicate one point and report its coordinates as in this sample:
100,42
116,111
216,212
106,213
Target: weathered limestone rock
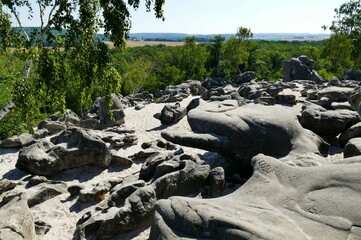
122,191
73,148
17,141
41,133
327,122
171,114
301,68
244,77
217,181
135,210
242,133
118,160
355,98
99,118
278,202
155,147
353,132
42,192
52,126
16,221
336,94
286,99
11,194
71,117
6,185
250,91
353,148
214,82
95,194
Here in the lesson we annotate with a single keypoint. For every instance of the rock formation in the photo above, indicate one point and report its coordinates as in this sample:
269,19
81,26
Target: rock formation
278,202
242,133
301,68
74,147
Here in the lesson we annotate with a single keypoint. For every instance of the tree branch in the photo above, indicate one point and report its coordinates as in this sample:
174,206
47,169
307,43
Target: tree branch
20,25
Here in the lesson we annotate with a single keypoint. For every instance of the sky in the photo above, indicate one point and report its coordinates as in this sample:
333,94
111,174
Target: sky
225,16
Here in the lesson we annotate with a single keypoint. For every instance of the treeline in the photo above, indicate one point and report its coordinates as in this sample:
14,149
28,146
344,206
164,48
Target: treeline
150,68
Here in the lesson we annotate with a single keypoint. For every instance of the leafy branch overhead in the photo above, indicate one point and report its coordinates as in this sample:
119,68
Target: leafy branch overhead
73,16
78,68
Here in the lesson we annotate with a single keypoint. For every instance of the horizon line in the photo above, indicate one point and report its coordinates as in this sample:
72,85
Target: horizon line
161,32
319,33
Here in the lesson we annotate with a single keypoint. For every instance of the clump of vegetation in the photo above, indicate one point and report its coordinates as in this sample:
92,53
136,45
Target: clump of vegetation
77,69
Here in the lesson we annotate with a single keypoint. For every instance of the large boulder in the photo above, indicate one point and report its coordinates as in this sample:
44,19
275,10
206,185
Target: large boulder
72,148
244,77
100,116
278,202
301,68
327,122
195,86
242,133
214,82
171,114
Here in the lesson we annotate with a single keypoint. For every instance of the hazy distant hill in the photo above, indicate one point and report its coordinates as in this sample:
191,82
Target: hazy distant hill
207,37
179,37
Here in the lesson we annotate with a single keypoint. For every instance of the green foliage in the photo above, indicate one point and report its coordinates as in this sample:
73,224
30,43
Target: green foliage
244,33
338,53
346,27
214,61
10,72
192,60
234,55
138,76
78,69
347,19
10,125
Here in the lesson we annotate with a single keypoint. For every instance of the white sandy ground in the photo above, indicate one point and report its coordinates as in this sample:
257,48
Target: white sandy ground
63,212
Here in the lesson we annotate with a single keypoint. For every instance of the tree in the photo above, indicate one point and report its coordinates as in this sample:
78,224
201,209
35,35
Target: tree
244,33
214,61
238,53
338,52
137,75
347,24
84,67
192,59
234,57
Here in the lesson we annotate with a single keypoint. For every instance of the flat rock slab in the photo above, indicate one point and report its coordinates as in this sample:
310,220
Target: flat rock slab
336,94
278,202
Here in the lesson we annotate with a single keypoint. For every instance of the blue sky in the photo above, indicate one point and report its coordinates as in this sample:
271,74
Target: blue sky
225,16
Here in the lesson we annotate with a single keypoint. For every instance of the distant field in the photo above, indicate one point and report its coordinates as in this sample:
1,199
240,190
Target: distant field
149,43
